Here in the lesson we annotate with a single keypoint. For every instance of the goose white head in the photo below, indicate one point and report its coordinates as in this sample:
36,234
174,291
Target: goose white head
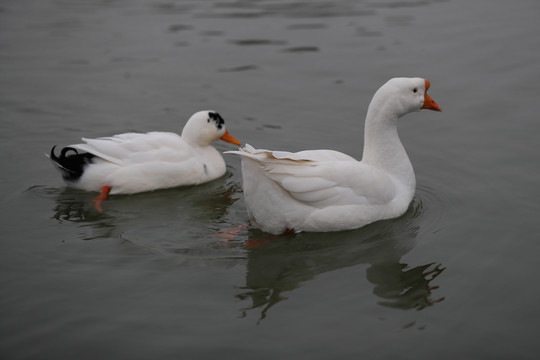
205,127
382,147
400,96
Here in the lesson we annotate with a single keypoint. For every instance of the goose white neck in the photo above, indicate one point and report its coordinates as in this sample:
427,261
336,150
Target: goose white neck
382,146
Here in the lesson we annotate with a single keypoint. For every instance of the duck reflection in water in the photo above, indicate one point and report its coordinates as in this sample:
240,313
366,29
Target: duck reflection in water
288,261
187,204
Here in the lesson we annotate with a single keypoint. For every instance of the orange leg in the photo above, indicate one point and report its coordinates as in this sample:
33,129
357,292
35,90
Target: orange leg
254,243
230,234
102,196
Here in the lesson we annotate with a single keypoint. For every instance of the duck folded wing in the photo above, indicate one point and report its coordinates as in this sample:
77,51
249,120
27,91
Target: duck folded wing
136,147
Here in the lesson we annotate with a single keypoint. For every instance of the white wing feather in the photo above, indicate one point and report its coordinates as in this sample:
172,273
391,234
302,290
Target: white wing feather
128,148
323,177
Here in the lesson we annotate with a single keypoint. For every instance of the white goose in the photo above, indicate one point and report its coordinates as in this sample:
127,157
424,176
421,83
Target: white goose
325,190
132,162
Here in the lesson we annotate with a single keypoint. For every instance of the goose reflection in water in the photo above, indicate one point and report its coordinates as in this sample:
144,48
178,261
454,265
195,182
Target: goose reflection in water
283,264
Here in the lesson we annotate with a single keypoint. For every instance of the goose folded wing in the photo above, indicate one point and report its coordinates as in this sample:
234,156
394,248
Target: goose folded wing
330,182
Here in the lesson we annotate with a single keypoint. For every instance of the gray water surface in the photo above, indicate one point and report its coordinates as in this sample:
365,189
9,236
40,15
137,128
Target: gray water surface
149,278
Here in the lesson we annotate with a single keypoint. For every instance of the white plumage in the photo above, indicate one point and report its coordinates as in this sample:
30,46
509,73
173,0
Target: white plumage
325,190
133,162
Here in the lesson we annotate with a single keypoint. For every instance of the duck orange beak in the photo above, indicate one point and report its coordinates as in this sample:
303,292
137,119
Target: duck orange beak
229,138
429,103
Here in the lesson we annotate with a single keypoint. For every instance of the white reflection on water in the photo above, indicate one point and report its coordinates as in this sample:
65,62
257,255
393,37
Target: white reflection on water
288,262
275,265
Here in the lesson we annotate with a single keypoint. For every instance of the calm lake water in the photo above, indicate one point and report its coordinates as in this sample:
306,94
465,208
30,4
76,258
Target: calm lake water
455,278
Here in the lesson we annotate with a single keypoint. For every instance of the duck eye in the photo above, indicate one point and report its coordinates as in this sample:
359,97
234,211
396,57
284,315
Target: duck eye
415,90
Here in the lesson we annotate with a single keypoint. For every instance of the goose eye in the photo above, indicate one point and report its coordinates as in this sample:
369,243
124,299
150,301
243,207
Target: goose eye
415,90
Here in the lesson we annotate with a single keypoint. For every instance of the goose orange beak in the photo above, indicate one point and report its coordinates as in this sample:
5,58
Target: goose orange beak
229,138
429,103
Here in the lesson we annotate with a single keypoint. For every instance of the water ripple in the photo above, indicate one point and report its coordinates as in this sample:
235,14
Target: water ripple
301,49
293,9
239,68
431,206
252,42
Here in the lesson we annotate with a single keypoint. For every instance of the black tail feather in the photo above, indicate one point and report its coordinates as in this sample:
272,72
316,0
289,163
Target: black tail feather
71,166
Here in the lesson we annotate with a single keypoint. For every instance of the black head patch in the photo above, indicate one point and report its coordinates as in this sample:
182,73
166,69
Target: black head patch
215,117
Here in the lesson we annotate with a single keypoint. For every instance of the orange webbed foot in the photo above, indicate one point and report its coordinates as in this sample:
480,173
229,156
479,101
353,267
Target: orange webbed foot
99,199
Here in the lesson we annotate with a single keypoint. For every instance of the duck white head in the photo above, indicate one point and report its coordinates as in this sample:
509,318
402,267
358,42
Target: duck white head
205,127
